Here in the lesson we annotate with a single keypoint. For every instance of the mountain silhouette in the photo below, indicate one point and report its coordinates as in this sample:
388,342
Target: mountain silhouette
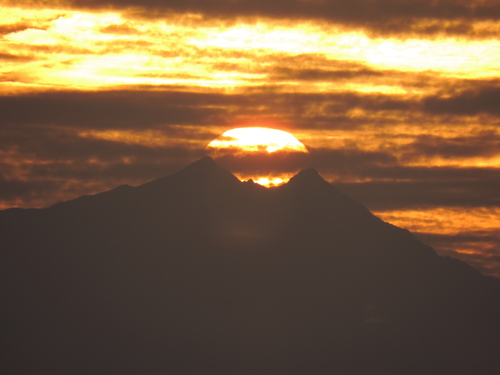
200,273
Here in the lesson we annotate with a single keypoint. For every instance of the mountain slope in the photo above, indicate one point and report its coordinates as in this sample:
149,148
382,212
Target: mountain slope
201,273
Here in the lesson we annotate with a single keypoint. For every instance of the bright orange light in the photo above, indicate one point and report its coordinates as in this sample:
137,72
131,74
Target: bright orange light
265,147
258,139
266,181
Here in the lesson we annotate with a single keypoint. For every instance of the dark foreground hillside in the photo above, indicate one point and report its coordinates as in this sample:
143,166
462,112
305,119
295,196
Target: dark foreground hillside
199,273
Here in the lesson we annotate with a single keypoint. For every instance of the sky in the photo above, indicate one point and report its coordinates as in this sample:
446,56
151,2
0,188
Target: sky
398,102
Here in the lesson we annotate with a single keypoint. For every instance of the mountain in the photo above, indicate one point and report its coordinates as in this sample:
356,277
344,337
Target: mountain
199,273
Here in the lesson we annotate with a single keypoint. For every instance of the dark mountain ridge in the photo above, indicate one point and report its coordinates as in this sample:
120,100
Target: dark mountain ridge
198,273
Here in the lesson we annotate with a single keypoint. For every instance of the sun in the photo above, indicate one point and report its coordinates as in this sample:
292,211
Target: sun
258,139
267,156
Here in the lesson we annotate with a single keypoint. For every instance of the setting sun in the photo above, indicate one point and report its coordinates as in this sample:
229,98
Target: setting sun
258,139
263,148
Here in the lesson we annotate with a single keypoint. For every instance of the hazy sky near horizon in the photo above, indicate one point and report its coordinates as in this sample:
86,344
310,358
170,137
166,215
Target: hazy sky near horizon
398,102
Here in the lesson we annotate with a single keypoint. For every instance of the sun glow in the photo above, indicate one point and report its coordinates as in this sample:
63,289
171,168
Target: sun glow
258,139
270,181
260,147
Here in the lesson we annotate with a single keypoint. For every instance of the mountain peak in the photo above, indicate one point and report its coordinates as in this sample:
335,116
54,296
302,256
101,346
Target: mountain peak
307,177
205,168
309,173
202,171
205,160
203,163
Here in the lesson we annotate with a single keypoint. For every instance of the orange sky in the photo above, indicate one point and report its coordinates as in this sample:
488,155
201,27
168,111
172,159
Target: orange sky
397,104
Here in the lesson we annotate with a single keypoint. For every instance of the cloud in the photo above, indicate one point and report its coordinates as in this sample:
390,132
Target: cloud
13,28
461,237
460,189
122,109
350,10
387,16
106,109
470,102
14,58
484,144
152,106
350,161
16,189
42,143
280,74
470,19
121,29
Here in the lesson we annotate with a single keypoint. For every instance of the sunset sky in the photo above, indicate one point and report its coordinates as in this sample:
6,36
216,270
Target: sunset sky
398,102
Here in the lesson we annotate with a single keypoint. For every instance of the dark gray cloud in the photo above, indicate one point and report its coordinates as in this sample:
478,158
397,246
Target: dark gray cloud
19,189
53,144
485,144
470,102
13,28
459,192
120,29
107,109
280,74
383,15
350,161
486,237
144,108
14,58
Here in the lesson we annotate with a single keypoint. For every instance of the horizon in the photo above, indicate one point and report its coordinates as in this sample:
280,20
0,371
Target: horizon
213,161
